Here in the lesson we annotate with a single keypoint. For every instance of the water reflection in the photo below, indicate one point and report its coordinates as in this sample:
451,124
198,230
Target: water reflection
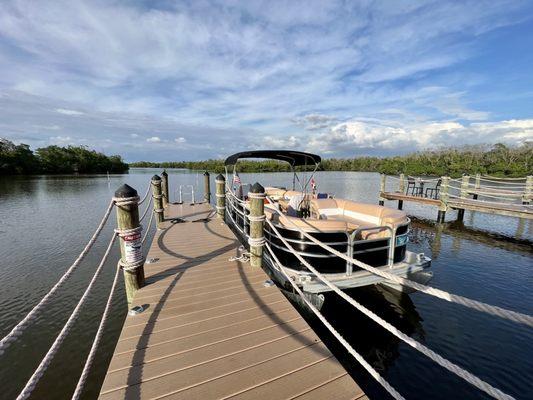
373,342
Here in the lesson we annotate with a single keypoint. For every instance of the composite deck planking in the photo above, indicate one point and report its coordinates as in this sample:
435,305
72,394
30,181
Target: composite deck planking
212,330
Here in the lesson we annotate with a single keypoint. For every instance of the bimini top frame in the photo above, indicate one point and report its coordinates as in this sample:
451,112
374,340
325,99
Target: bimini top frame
294,158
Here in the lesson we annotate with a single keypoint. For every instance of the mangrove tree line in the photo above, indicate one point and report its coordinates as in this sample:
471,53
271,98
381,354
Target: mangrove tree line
19,159
497,160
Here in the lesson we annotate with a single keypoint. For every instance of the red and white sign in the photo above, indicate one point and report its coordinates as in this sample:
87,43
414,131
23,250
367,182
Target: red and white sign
133,248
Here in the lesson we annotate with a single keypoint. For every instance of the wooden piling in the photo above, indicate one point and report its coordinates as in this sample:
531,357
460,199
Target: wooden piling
526,197
477,185
257,220
401,189
207,188
465,183
129,230
443,197
382,189
220,194
164,188
158,200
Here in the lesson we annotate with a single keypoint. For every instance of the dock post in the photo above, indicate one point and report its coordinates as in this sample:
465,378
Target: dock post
477,185
526,197
465,182
443,196
158,200
207,188
401,189
382,189
164,188
257,220
129,231
220,194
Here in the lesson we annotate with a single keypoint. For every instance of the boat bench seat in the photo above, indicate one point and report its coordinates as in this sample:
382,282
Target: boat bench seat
329,215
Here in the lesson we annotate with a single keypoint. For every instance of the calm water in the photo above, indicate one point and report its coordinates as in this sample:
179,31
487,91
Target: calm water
46,221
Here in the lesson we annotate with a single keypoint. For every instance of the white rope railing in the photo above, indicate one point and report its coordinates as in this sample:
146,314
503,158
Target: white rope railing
491,202
148,207
504,178
462,373
31,315
147,231
145,195
502,182
482,192
504,188
386,385
474,304
32,382
97,339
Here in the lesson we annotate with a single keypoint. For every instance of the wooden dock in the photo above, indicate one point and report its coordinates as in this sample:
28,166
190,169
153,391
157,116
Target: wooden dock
511,210
212,328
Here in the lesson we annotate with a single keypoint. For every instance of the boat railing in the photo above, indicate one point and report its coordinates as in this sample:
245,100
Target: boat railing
240,207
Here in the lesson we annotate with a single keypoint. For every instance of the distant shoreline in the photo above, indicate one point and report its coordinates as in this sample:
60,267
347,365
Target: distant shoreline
497,160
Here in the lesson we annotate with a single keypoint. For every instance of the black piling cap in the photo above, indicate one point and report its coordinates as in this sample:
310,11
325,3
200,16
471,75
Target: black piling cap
206,173
125,191
257,188
156,178
220,177
164,173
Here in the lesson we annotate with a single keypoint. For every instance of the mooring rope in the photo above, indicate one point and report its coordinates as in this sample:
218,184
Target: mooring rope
454,298
386,385
32,382
31,315
462,373
97,339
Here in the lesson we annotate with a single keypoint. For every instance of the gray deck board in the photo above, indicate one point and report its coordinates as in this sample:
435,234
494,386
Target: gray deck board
212,330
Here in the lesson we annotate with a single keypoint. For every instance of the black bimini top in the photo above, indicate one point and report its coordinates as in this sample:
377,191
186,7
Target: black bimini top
294,158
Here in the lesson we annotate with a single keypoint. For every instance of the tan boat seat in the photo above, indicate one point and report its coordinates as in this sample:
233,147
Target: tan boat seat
361,214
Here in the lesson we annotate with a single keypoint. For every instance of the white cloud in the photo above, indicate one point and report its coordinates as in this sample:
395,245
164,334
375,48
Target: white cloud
284,71
68,112
373,137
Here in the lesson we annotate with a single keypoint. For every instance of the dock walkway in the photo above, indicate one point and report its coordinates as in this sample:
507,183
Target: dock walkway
213,330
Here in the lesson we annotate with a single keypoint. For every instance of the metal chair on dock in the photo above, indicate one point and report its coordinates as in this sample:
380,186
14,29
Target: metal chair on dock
411,185
433,192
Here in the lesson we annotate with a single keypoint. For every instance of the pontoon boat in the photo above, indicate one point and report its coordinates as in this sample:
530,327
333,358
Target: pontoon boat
372,234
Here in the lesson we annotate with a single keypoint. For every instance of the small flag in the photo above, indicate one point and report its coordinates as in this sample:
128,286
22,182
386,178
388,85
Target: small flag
313,184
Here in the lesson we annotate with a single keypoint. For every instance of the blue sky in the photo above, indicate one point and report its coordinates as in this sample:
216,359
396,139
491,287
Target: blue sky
170,80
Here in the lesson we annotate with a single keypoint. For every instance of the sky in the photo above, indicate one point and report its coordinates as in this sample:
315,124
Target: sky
180,80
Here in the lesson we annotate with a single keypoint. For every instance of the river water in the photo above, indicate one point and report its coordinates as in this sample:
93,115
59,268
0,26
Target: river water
45,221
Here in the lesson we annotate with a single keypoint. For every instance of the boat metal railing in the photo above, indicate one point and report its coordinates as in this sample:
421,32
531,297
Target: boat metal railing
470,303
238,206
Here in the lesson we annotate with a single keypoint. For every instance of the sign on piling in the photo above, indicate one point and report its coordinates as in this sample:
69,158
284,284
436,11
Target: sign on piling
129,231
